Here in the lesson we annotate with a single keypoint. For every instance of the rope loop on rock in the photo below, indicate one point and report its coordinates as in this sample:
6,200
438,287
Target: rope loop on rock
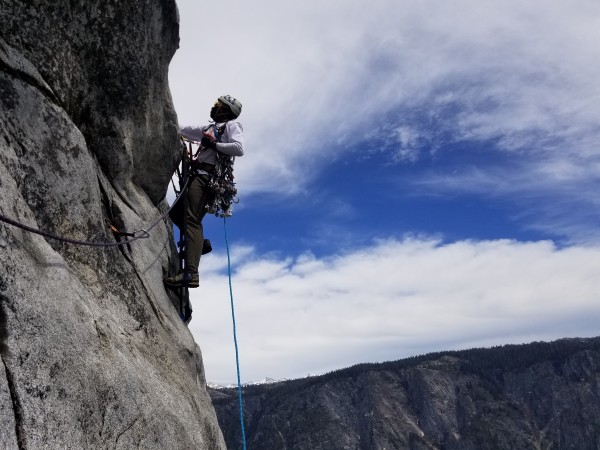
142,233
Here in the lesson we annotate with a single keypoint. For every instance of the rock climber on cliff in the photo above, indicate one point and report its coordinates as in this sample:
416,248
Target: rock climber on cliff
223,134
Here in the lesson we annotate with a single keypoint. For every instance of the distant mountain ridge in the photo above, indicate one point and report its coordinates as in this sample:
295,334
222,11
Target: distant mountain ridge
532,396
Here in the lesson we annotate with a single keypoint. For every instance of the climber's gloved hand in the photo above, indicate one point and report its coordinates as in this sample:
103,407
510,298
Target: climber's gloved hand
207,142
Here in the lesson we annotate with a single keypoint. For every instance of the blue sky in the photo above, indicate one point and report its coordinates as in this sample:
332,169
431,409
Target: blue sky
419,176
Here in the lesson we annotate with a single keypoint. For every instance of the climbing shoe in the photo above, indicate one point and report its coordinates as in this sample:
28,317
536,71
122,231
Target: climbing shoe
178,280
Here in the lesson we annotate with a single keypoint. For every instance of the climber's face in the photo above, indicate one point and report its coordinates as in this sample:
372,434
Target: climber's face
215,109
220,112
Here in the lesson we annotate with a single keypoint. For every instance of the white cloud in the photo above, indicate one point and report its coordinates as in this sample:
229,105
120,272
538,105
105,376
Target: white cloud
315,77
393,300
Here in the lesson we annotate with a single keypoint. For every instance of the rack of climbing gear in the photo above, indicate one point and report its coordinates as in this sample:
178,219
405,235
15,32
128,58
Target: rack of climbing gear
223,193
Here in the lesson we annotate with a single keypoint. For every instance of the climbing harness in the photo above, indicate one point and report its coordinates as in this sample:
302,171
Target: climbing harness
237,360
221,186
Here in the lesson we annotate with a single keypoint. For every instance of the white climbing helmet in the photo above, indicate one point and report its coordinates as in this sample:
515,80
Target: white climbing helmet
234,105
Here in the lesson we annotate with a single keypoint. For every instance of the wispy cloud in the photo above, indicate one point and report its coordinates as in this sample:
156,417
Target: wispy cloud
554,195
315,77
391,300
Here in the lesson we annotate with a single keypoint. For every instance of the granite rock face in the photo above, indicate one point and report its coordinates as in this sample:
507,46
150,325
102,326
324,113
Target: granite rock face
538,396
94,354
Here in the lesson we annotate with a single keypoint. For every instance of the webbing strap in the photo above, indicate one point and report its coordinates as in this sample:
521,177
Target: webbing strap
185,312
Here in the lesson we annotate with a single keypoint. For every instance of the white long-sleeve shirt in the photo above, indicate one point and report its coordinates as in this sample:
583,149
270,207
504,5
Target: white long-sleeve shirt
231,142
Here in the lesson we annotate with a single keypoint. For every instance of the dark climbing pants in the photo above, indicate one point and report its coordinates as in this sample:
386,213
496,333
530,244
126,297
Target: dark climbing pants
197,196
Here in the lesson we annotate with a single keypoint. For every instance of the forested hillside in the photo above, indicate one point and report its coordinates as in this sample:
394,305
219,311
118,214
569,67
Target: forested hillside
533,396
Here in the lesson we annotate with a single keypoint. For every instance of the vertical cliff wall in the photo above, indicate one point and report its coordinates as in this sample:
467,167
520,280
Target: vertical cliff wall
94,354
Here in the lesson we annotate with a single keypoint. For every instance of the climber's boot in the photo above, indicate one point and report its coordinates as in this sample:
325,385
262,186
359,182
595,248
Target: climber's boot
193,280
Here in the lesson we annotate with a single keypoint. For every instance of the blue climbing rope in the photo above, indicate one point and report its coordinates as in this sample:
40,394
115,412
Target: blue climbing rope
237,360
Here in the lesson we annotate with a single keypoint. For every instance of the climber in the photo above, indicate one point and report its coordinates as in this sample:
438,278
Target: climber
223,134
